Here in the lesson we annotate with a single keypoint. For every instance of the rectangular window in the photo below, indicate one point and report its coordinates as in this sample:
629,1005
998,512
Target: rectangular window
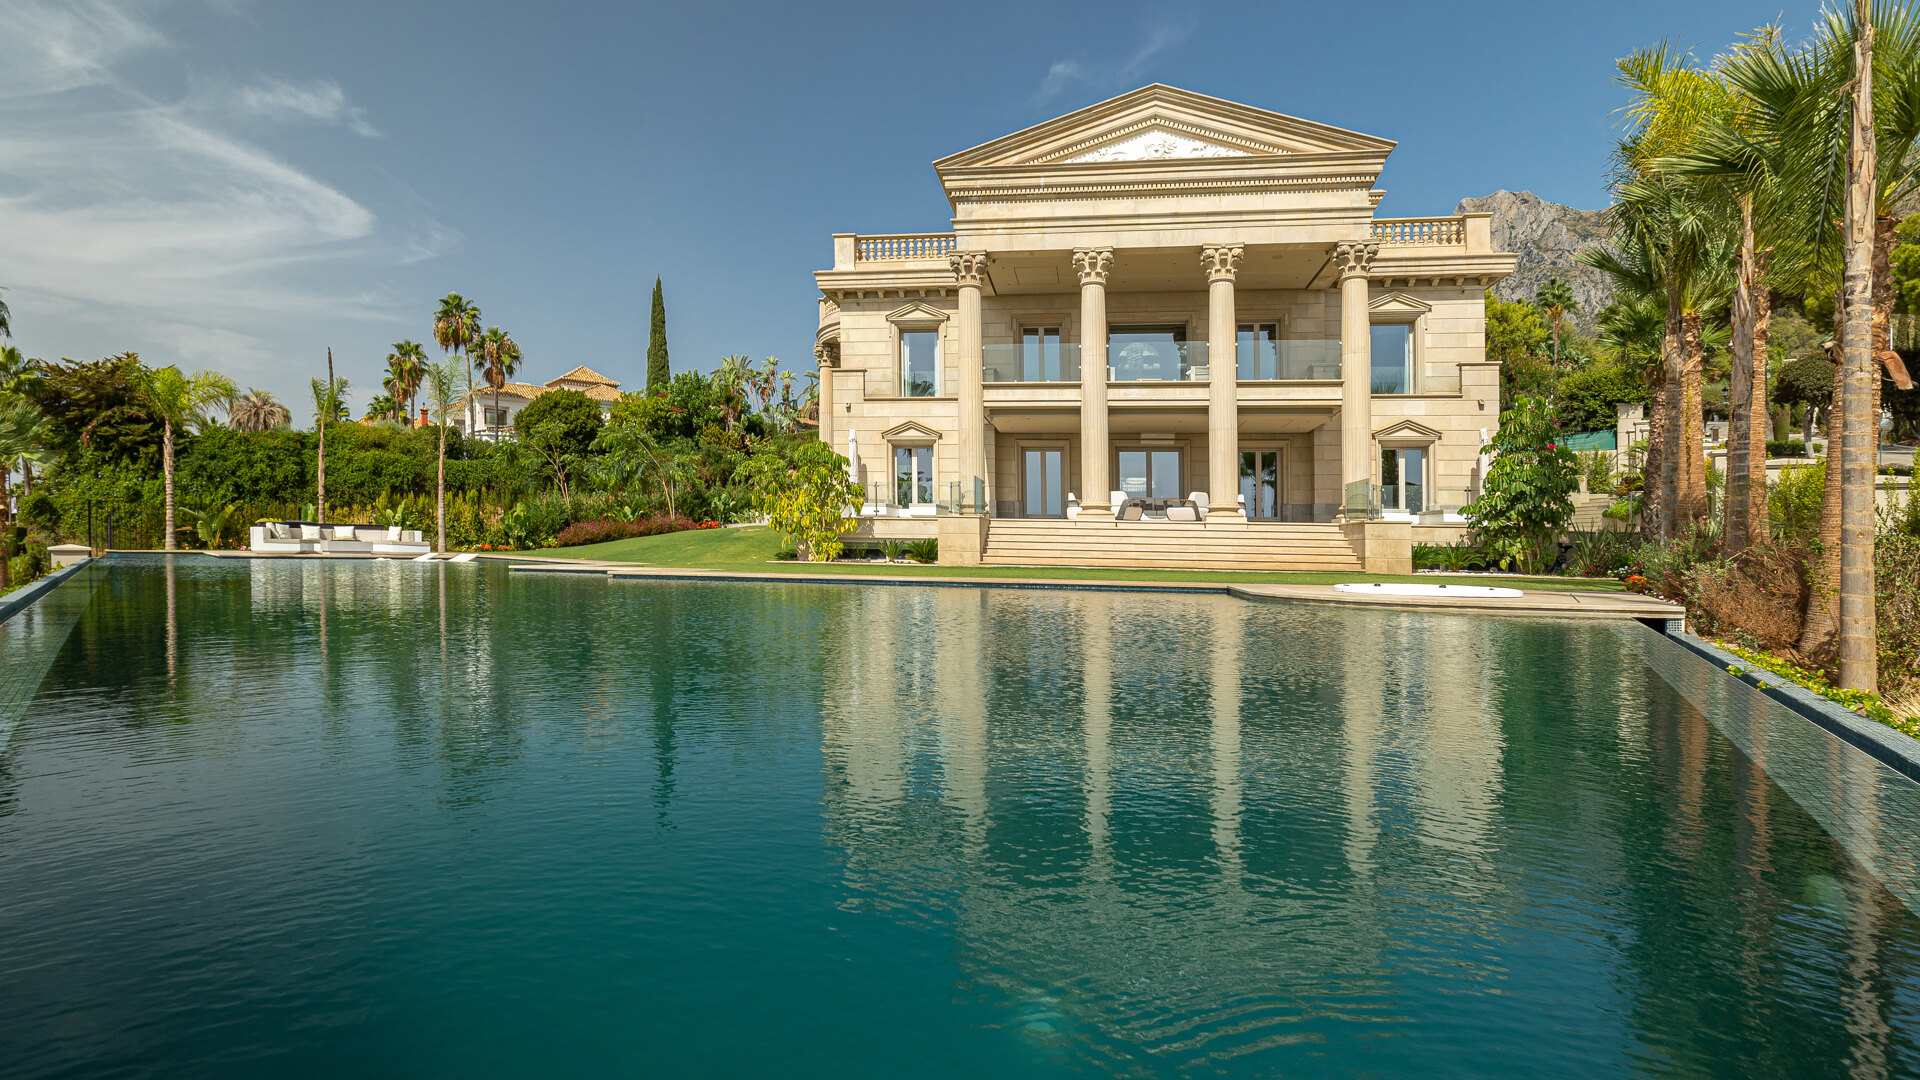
913,475
1403,475
1392,346
1040,354
1150,474
1260,483
1259,351
1147,353
919,363
1044,493
496,417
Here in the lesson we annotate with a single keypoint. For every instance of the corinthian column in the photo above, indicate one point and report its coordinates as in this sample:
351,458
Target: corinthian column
827,353
1356,365
969,268
1092,264
1222,263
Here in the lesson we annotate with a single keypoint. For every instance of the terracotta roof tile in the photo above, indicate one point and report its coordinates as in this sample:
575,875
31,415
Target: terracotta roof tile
583,374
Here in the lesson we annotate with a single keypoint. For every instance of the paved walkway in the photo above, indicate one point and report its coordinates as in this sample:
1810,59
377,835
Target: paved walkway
1563,604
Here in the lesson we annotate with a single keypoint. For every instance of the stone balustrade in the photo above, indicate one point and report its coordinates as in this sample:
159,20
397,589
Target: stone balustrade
1427,232
901,246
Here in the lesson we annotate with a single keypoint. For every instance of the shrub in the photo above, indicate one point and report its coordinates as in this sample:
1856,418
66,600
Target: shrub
805,494
605,529
1793,504
1596,467
1528,495
1786,448
924,551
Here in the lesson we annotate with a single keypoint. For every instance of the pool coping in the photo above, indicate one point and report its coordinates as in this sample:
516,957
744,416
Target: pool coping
18,600
1894,749
1570,603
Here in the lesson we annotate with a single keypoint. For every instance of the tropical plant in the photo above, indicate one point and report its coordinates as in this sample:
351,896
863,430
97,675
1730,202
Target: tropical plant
1527,497
214,524
924,551
560,426
497,357
440,401
6,319
257,410
23,432
893,550
1555,301
804,493
407,366
177,400
456,325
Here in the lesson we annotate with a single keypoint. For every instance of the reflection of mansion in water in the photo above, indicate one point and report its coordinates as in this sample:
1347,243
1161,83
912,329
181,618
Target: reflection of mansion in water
1164,305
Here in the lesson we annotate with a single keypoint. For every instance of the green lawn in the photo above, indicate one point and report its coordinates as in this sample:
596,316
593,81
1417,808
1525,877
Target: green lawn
752,550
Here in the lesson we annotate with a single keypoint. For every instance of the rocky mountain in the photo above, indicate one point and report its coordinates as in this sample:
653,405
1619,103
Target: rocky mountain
1546,236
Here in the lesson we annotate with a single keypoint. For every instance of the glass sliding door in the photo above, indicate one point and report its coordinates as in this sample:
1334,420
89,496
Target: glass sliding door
1403,478
1043,475
1260,483
1040,354
1259,351
1150,474
913,475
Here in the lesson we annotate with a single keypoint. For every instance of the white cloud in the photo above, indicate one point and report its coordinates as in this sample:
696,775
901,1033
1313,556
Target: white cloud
128,221
322,101
1069,71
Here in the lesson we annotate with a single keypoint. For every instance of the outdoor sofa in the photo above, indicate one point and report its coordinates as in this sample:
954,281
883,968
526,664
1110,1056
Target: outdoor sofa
297,537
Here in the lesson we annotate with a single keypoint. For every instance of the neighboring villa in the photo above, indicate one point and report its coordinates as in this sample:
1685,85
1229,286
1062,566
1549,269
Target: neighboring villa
485,415
1164,306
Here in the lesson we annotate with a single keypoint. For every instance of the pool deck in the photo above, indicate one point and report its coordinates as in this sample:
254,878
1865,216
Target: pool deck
1561,604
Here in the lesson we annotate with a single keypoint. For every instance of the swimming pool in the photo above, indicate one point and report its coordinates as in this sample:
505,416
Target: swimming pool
320,817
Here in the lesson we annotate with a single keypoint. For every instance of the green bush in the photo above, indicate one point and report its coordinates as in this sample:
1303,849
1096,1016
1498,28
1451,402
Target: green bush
1528,495
1793,504
924,551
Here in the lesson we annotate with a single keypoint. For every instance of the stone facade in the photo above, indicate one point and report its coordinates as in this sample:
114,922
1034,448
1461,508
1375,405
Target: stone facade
1067,336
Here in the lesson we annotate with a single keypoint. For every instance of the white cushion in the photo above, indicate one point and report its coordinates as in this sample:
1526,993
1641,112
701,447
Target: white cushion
309,532
393,533
278,530
1181,513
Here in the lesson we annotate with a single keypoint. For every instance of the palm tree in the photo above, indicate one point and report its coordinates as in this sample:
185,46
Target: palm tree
456,324
20,377
440,400
1683,225
337,398
1554,300
6,319
177,400
407,362
329,407
731,379
258,410
496,355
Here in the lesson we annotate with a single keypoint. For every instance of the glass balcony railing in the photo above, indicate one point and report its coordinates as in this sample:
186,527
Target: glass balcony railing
1032,362
1289,359
1444,379
1155,361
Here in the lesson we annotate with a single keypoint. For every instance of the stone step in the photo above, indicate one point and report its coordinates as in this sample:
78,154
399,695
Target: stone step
1169,545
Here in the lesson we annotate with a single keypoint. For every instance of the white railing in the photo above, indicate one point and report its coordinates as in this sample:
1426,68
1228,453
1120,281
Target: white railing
1426,231
903,246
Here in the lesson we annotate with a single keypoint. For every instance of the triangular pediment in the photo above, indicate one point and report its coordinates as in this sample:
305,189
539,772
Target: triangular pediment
917,313
1163,123
910,432
1395,303
1409,431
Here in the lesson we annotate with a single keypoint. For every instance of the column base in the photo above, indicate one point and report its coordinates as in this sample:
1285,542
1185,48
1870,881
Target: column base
1094,512
1234,516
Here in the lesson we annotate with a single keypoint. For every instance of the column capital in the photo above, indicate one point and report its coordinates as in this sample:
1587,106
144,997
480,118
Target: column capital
1222,261
969,267
827,353
1354,259
1092,264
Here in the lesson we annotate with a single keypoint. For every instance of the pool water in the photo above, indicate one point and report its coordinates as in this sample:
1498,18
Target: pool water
309,818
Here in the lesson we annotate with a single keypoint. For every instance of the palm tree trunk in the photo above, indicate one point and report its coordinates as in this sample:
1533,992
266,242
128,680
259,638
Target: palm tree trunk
1858,645
1693,436
1820,625
440,488
6,539
1651,466
166,469
1748,409
1673,360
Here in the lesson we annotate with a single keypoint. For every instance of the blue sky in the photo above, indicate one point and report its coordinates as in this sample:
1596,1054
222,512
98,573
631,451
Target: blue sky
240,184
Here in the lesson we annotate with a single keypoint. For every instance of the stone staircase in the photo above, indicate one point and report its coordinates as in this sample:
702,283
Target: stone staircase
1168,545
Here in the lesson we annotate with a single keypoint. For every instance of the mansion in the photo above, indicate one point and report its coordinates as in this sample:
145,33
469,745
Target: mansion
1164,308
486,413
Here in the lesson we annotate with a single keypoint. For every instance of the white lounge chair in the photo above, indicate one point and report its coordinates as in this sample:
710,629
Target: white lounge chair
1200,500
1073,506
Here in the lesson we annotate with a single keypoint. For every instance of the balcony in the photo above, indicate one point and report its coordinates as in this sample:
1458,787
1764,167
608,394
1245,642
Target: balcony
1032,362
1289,360
1420,232
903,247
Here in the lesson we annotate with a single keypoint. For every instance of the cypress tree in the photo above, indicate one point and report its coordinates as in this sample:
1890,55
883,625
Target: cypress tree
657,373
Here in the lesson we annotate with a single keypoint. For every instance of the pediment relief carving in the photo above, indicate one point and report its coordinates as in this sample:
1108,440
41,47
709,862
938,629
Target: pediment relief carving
1163,123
